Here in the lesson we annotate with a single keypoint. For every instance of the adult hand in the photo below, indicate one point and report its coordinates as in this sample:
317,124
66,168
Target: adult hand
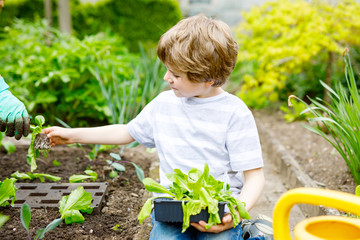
226,224
13,116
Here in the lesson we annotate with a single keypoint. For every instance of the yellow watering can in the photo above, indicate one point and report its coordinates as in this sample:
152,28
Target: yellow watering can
321,227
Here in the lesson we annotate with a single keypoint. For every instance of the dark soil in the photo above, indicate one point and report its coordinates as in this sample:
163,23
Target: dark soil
317,157
124,199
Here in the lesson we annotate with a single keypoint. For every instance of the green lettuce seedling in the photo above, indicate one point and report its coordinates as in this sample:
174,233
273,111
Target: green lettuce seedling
3,219
71,205
33,153
116,165
25,218
32,176
7,191
80,178
9,146
197,190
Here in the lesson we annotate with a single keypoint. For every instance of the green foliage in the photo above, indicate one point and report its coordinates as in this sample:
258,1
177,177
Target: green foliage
27,9
32,176
25,218
116,165
200,190
58,75
80,178
295,112
71,205
136,20
49,71
9,146
126,98
3,219
7,191
286,44
33,153
341,119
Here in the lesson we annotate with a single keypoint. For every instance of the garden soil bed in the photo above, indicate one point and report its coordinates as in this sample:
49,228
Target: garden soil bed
122,203
125,194
316,157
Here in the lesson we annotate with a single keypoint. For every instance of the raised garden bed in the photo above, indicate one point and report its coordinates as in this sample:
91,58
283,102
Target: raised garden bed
120,207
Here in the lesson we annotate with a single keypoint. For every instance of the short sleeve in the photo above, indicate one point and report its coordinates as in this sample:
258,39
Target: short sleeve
141,128
243,141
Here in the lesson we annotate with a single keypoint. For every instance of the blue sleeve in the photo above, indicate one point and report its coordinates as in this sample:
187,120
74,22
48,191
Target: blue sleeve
3,85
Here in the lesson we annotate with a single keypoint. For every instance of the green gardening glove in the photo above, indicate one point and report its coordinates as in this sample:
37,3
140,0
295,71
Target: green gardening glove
13,115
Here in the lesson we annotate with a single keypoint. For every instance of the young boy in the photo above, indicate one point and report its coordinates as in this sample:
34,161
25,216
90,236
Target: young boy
194,123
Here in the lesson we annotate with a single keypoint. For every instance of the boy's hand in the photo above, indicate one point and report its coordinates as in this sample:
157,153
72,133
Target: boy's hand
58,135
226,224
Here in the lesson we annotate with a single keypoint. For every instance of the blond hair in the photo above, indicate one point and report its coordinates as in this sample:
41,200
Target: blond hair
201,47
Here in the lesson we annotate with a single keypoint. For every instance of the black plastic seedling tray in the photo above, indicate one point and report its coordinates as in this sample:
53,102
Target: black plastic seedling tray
169,210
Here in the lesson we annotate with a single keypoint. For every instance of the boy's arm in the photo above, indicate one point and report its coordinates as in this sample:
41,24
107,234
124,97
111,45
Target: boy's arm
117,134
254,182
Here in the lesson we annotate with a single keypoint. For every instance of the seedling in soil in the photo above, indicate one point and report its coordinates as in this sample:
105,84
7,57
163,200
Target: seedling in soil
200,191
116,165
3,219
69,208
7,191
25,218
80,178
71,205
32,176
39,143
9,146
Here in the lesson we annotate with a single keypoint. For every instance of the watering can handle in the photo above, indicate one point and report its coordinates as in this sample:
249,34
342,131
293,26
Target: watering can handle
343,201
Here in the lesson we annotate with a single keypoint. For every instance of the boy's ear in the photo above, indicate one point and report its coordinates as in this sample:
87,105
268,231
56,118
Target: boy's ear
209,83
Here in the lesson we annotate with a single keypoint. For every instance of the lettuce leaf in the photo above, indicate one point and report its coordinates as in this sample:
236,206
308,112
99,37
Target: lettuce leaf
70,205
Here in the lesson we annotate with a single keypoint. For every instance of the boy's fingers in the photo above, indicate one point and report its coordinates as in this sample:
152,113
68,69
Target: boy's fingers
227,218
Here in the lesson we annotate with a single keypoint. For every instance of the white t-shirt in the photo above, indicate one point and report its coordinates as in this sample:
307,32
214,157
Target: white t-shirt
189,132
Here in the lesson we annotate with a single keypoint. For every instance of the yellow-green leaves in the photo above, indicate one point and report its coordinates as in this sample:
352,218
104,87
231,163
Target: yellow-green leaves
153,186
7,191
198,191
284,37
3,219
71,205
33,153
80,178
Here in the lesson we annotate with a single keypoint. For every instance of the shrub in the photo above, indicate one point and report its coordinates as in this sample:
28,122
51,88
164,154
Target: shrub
135,20
50,72
284,45
341,119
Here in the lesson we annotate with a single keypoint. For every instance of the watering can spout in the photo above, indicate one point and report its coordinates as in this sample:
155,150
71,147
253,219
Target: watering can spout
322,227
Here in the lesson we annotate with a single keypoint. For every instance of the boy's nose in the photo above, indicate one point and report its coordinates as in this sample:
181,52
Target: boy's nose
167,77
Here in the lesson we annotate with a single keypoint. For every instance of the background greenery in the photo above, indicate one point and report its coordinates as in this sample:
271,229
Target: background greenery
286,47
134,20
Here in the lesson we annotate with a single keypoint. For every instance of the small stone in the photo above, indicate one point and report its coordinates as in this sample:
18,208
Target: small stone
105,210
91,231
134,195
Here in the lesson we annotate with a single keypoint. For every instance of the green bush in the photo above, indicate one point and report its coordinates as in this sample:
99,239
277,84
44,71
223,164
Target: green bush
51,73
135,20
285,45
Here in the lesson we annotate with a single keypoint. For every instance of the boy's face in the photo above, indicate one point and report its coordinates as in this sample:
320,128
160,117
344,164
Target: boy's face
183,87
